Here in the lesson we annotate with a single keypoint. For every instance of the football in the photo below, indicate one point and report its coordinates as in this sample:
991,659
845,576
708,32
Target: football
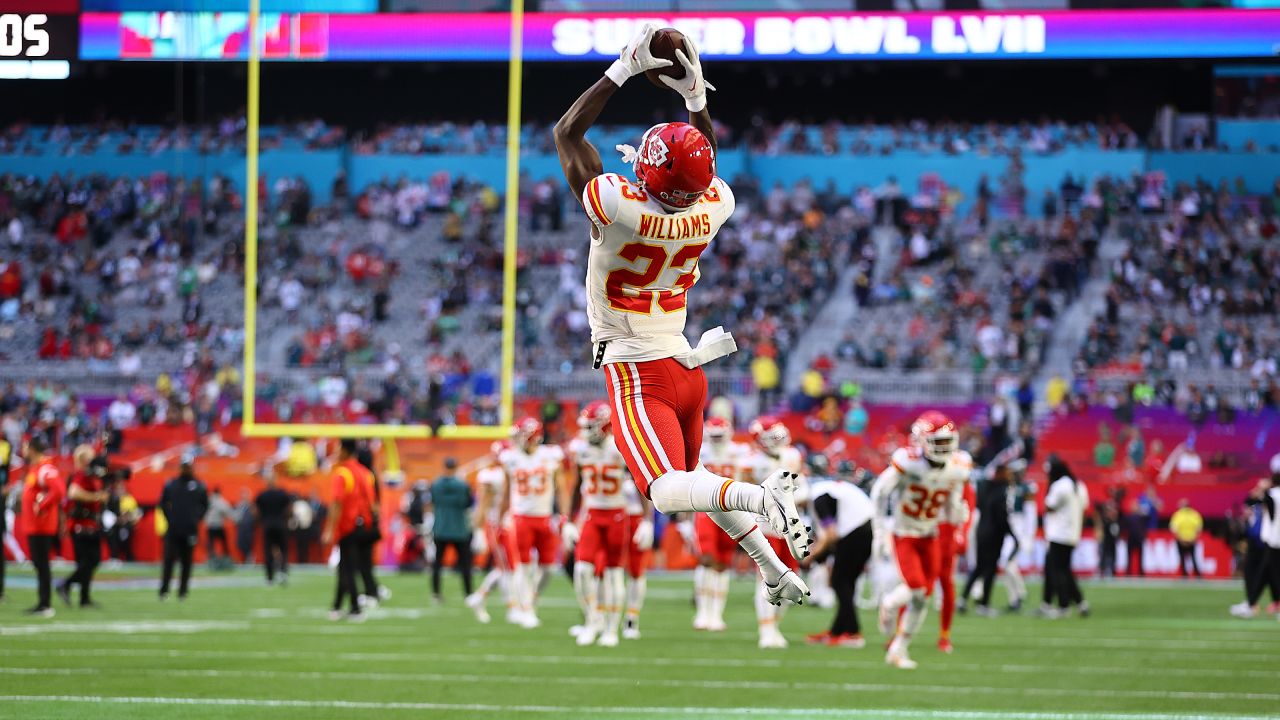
664,44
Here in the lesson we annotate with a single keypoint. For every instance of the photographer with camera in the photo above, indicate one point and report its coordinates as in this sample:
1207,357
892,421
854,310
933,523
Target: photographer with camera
86,497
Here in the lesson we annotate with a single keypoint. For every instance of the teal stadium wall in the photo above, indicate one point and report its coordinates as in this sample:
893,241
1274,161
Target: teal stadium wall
318,168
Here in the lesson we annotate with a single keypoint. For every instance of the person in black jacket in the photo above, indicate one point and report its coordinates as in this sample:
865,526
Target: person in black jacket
274,508
993,526
184,502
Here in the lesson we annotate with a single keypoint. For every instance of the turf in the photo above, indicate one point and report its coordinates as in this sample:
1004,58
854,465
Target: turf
238,649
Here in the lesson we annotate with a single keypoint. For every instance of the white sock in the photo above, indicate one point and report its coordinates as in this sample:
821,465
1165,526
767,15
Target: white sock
896,598
702,491
541,578
819,578
719,594
489,581
635,595
1013,580
766,613
586,588
528,586
917,609
743,527
701,594
612,591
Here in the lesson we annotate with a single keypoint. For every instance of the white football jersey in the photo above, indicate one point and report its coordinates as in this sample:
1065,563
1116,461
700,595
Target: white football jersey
495,480
922,494
727,459
603,473
643,260
531,477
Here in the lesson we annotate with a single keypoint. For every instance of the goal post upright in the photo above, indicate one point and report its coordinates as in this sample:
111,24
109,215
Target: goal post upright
250,427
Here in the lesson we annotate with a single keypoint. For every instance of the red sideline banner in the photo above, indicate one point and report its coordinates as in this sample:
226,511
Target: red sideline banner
1159,557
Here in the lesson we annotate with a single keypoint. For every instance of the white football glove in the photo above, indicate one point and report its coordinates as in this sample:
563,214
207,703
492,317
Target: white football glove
636,58
479,543
686,530
692,87
569,534
643,536
882,547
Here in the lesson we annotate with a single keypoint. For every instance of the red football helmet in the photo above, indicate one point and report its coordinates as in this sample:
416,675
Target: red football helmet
675,164
596,419
717,429
935,435
769,433
527,432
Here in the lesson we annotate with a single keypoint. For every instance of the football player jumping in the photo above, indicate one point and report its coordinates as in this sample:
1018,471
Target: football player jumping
924,482
647,234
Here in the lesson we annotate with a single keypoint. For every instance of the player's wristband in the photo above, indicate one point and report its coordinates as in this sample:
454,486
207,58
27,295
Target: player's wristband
697,103
618,73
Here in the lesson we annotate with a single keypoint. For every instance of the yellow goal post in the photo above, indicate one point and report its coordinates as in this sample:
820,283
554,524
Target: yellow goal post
250,427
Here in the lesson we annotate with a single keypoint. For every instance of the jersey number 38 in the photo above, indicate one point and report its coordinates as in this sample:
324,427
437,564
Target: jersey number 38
920,503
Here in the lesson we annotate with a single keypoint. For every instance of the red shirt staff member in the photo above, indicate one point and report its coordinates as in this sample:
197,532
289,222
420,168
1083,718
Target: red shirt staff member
86,497
42,495
350,522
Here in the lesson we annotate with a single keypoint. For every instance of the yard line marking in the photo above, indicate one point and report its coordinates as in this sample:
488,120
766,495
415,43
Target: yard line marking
676,683
124,627
595,660
562,710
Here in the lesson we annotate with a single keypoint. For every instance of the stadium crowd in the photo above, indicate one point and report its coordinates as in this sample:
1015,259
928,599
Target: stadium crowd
136,276
1043,136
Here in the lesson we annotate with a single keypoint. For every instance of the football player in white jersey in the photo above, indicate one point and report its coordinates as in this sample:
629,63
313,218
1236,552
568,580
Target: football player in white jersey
726,458
534,483
773,451
601,541
647,235
922,484
491,535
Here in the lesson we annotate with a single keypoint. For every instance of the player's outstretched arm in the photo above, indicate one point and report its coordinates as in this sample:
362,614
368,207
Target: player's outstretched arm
578,157
693,88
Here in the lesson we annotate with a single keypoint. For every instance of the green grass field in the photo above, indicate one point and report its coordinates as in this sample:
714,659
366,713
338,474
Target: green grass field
237,649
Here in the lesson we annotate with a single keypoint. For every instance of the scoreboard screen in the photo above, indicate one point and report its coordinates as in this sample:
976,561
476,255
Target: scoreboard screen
38,36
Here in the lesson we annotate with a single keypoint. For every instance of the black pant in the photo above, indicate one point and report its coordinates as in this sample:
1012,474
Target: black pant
1135,554
985,565
463,564
216,536
1187,552
1,559
348,567
120,542
88,552
366,540
1264,573
1107,557
275,539
851,555
303,540
41,548
177,549
1059,580
244,541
